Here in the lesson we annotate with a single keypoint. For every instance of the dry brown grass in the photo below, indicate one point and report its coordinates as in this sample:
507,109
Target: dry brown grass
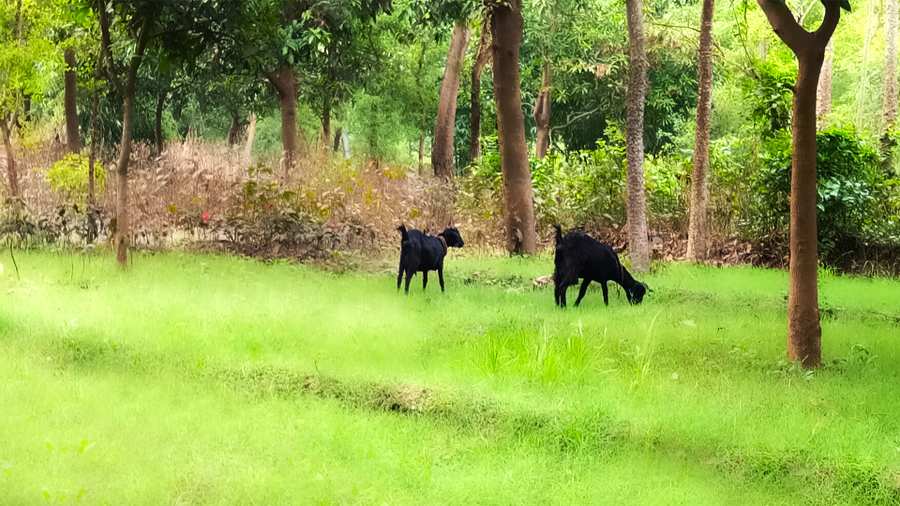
175,193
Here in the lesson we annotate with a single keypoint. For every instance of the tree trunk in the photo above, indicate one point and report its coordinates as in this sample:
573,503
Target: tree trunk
890,65
122,225
234,130
484,52
326,121
157,121
803,306
92,159
697,233
73,139
12,174
251,137
442,160
542,115
804,330
823,91
336,145
506,30
285,83
638,244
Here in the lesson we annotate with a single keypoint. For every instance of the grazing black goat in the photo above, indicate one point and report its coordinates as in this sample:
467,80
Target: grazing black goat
580,256
422,253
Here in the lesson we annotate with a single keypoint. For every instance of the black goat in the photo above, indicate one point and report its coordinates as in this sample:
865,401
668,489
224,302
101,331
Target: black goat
580,256
422,253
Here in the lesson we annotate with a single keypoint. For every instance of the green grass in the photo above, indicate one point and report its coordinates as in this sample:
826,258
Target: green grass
212,380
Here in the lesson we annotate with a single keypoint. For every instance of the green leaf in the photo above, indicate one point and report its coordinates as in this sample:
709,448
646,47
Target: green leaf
845,4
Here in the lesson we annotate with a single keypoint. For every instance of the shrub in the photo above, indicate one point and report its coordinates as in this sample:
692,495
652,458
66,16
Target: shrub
69,177
580,188
849,185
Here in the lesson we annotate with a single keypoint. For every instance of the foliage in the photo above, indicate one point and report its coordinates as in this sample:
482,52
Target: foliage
584,188
69,177
769,92
849,182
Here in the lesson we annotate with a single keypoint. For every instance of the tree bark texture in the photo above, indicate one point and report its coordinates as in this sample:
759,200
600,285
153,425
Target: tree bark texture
506,31
73,139
804,329
542,114
890,64
481,58
638,243
442,156
699,228
285,83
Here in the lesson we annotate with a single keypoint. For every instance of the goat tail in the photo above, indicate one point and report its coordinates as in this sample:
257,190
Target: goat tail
402,230
558,233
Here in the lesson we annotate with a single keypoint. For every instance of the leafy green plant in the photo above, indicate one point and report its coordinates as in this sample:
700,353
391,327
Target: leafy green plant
69,177
849,183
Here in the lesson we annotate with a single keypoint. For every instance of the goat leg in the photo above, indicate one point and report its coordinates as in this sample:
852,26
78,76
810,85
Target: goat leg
582,291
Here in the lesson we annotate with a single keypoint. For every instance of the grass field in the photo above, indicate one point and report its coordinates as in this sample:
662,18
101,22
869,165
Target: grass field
212,380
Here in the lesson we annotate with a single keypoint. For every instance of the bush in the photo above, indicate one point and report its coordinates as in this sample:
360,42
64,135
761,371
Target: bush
69,177
850,183
580,188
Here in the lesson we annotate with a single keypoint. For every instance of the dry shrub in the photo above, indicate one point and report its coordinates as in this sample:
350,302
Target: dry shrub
200,192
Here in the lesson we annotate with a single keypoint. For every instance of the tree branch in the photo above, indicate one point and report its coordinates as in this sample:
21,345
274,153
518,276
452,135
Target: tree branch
784,24
573,119
829,23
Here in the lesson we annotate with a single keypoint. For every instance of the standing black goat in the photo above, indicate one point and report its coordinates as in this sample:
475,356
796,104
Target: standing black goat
580,256
422,253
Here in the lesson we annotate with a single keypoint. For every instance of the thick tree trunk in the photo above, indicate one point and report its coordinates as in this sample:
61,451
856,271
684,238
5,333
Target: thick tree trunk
638,244
442,156
481,58
12,175
73,139
890,65
157,122
123,228
823,90
804,330
698,230
285,83
542,115
506,31
251,137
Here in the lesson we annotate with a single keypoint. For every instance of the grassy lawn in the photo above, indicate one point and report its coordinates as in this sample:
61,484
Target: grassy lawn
212,380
